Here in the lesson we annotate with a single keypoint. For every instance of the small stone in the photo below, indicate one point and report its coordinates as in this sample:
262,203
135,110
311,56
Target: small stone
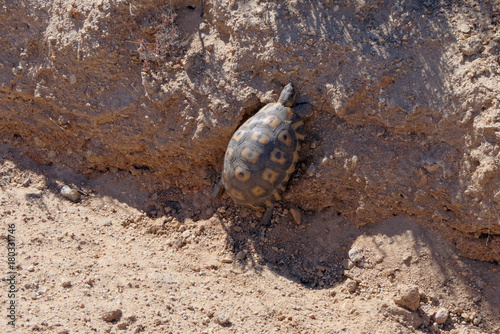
31,268
26,182
240,255
65,283
203,25
441,316
464,27
311,170
111,316
408,296
296,215
237,229
222,319
122,326
226,260
70,193
351,285
471,46
406,257
259,10
355,255
476,321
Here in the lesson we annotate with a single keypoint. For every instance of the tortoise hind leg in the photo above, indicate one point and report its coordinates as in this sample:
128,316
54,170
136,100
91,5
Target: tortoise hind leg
266,219
217,189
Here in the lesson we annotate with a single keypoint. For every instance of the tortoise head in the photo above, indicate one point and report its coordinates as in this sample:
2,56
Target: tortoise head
287,96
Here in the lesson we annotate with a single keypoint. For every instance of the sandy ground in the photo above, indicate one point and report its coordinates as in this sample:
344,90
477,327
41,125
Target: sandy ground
102,265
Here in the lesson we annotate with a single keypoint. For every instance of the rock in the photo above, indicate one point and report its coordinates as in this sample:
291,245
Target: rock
351,285
441,316
222,319
296,215
65,283
406,257
355,255
471,46
70,193
240,255
111,316
311,170
403,316
26,182
408,296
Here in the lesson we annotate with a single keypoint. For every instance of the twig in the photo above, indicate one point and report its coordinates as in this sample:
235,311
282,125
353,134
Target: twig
60,127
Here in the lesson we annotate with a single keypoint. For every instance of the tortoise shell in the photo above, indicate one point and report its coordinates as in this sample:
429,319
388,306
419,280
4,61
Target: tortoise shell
263,152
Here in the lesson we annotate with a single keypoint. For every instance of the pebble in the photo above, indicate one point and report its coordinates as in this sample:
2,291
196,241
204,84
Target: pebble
70,193
355,255
26,182
240,255
111,316
408,296
311,170
203,26
351,285
406,257
441,316
65,283
464,27
296,215
471,46
222,319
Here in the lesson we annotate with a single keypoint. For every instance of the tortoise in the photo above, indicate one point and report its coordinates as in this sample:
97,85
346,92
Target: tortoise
262,154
